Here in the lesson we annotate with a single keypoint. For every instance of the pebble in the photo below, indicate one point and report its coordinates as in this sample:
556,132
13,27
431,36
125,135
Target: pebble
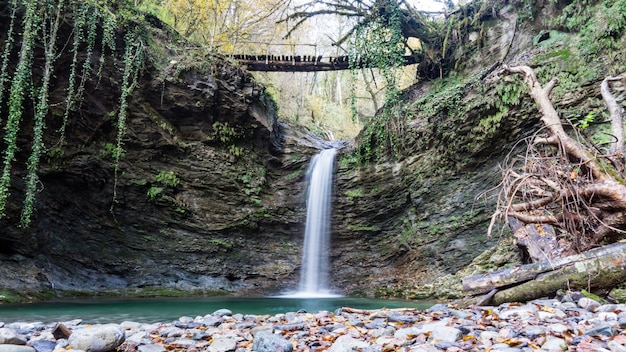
548,325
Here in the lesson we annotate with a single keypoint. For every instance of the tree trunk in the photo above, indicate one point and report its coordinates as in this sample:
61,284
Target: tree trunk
517,275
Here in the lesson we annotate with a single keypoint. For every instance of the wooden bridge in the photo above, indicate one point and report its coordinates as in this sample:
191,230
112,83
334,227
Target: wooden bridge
297,63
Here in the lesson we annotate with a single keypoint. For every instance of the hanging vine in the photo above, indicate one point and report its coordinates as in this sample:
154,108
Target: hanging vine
79,24
17,95
49,32
6,54
381,44
39,27
133,59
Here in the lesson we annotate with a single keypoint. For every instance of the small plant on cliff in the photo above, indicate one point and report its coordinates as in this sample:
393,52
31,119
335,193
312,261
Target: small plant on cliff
168,178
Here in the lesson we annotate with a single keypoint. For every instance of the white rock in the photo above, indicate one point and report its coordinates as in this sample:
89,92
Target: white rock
445,334
347,343
11,337
588,304
554,344
97,338
223,344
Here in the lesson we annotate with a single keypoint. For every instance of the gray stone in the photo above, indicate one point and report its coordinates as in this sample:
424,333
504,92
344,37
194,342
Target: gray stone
523,312
211,320
15,348
255,330
267,342
97,338
10,336
184,342
588,304
223,344
615,346
347,343
62,343
137,337
222,312
186,319
42,345
533,331
424,348
602,329
150,348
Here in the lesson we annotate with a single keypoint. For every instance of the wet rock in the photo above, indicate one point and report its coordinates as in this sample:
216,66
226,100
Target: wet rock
97,338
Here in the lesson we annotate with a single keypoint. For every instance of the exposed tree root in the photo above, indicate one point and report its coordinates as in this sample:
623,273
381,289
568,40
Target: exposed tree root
564,182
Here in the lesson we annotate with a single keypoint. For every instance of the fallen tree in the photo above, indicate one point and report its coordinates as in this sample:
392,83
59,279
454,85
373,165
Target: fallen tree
562,199
600,269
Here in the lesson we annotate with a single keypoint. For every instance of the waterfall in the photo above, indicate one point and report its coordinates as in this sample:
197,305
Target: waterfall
314,272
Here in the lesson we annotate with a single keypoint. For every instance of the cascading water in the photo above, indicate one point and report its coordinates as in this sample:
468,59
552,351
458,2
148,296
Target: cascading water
314,274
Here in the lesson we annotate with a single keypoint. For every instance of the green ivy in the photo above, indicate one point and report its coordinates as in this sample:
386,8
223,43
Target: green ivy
17,95
380,44
8,44
51,25
133,61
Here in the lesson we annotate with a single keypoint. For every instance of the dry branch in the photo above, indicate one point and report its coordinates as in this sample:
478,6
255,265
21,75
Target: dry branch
563,182
550,119
615,111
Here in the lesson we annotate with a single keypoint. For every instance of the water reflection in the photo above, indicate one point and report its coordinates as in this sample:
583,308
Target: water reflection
167,310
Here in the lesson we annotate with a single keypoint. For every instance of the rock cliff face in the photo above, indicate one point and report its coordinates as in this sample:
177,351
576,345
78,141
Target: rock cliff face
209,195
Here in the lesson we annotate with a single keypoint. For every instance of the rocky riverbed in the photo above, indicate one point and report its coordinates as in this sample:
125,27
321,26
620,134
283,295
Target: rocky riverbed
571,322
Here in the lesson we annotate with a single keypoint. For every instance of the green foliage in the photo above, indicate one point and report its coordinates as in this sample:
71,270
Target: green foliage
110,151
165,178
354,193
380,44
224,132
228,137
222,244
600,26
41,110
17,95
8,43
39,21
154,192
585,121
168,178
133,61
